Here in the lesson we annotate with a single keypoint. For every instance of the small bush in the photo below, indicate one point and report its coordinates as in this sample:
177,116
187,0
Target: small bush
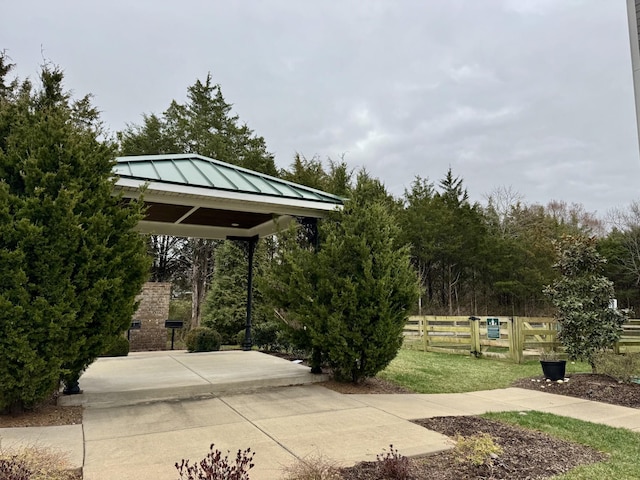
34,463
621,367
203,339
265,335
313,468
119,347
216,467
479,449
393,466
240,337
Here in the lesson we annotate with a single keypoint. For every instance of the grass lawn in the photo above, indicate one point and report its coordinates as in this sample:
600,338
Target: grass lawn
622,445
426,372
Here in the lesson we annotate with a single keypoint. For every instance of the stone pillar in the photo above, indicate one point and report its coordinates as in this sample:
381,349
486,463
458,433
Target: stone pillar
152,312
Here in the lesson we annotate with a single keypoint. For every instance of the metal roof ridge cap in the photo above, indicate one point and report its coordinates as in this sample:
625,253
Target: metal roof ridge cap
161,156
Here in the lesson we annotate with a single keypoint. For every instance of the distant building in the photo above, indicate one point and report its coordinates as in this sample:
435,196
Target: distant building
633,14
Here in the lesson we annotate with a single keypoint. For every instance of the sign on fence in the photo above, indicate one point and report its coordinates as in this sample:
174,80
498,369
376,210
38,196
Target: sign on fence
493,329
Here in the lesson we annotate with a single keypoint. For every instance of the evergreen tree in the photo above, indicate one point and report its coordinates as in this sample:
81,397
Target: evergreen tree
351,297
582,297
71,263
519,257
204,125
225,308
447,234
312,173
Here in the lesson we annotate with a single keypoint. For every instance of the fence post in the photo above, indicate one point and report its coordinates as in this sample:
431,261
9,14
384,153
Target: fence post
474,331
423,327
516,339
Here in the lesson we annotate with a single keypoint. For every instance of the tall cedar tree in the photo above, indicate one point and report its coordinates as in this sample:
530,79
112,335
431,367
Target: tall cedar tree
204,125
350,298
225,308
71,263
446,233
582,297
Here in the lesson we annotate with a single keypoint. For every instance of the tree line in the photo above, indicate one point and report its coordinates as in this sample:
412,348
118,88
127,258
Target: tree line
471,258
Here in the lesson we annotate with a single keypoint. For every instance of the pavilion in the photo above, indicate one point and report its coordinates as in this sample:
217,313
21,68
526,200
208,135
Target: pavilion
188,195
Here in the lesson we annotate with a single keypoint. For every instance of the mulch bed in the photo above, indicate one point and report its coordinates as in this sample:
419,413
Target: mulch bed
588,386
526,454
48,413
370,385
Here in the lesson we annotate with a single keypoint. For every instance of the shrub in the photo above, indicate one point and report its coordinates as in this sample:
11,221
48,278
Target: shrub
203,339
265,335
240,337
352,296
621,367
119,347
313,468
393,466
582,297
216,467
72,263
34,463
479,449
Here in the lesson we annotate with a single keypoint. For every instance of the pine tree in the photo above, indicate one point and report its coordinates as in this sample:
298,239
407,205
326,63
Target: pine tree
204,125
225,308
72,264
351,297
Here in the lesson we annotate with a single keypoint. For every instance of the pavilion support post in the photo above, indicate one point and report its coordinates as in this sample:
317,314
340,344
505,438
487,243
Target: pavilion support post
251,249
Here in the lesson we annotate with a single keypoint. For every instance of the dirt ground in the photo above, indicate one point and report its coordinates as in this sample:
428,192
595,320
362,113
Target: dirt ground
525,454
599,388
46,414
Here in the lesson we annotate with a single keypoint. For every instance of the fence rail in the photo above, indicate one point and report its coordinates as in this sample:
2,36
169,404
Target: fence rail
512,338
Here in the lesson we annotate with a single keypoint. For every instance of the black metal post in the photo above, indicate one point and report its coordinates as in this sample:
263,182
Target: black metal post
251,248
248,342
173,336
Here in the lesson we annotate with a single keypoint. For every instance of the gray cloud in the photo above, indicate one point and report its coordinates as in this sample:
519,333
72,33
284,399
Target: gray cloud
536,94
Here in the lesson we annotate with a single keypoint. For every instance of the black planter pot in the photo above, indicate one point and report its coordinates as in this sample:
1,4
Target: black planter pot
553,370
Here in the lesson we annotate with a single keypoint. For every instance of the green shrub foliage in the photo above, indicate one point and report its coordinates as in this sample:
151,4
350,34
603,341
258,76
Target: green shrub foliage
225,308
71,263
266,335
582,297
350,299
118,347
203,339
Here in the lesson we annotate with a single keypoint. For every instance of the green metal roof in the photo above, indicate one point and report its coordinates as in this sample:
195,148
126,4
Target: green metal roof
199,171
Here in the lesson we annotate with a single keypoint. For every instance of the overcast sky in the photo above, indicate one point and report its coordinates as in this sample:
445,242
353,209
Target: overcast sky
532,94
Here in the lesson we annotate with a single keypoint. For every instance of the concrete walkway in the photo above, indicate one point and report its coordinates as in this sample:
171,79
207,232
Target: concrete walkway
142,439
